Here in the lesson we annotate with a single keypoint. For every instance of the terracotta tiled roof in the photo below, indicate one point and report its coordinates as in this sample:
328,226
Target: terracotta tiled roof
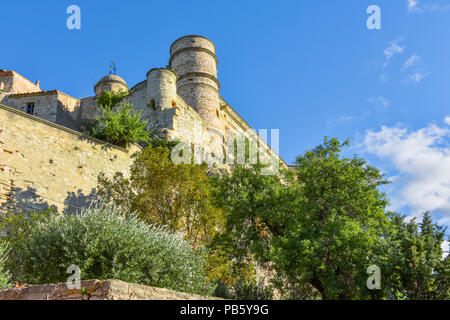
6,72
32,94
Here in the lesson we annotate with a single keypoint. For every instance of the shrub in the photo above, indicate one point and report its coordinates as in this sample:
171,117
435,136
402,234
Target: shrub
244,289
5,276
15,228
108,99
105,244
121,126
117,124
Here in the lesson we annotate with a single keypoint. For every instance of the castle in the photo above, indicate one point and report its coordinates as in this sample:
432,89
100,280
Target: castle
176,101
44,155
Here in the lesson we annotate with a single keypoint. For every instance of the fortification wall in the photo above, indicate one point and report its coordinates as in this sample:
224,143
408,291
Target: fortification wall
68,112
45,103
53,106
138,98
43,164
90,110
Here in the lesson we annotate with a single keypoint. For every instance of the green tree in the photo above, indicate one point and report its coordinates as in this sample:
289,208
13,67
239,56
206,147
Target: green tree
320,230
337,230
156,141
250,202
415,268
107,100
121,126
161,192
117,124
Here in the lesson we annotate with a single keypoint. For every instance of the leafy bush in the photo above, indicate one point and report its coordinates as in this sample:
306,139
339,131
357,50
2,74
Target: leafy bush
108,99
5,276
244,289
105,244
117,125
121,126
156,142
15,228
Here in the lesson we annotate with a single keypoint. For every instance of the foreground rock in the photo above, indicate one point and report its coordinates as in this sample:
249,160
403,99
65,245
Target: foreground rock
97,290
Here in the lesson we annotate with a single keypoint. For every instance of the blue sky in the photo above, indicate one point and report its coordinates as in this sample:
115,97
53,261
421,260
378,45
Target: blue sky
309,68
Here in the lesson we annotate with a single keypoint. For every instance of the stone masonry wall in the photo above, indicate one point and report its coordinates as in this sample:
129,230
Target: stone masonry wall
43,164
97,290
45,104
53,106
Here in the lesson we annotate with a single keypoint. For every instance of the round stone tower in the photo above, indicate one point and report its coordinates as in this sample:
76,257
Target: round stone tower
194,59
111,83
161,88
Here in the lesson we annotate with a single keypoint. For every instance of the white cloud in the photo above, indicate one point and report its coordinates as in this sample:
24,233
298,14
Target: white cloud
447,120
347,120
414,7
384,77
414,60
379,102
385,102
418,76
413,65
394,48
445,248
416,67
422,162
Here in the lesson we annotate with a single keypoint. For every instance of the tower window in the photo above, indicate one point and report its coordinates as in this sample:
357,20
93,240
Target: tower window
152,104
30,108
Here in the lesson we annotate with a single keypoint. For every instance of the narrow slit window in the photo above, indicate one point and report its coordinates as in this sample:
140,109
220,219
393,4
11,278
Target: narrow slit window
30,108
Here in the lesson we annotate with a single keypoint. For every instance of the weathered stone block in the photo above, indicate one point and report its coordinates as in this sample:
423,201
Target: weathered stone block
97,290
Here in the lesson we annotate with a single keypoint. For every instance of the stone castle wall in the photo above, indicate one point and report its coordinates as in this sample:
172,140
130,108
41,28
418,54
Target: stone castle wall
45,104
177,101
43,164
53,106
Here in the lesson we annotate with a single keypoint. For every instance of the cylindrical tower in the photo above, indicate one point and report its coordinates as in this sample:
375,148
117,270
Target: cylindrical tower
161,88
194,59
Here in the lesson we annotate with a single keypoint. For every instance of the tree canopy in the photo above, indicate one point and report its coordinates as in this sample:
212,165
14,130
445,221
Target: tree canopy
320,229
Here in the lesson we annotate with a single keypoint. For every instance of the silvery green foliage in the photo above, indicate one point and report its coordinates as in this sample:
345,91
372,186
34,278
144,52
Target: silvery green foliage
105,244
4,274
